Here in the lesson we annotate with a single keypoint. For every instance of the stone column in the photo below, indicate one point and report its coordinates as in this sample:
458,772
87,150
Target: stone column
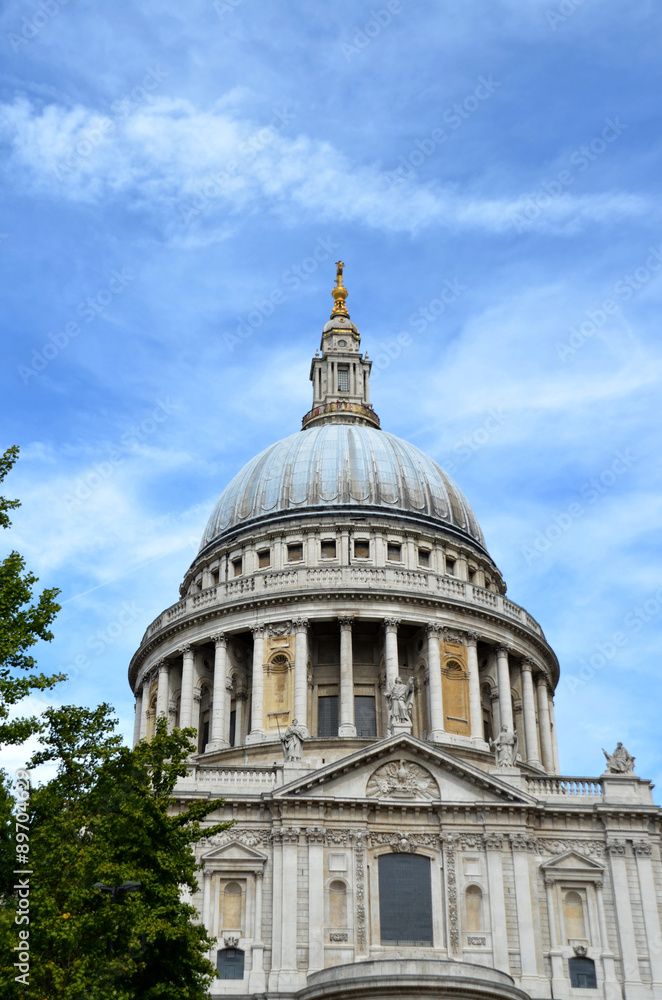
256,735
555,744
315,837
137,721
543,723
163,691
612,986
256,980
475,707
624,921
346,725
241,697
434,683
300,626
391,650
186,702
145,706
289,902
527,940
559,981
643,852
493,842
529,711
503,684
220,694
206,896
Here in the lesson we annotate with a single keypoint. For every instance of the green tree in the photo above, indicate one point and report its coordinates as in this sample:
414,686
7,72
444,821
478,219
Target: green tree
23,621
109,816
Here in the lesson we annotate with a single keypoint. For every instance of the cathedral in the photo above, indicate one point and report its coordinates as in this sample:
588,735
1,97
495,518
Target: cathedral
378,719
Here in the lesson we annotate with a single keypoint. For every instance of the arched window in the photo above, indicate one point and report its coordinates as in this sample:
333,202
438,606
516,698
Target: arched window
573,915
230,963
473,905
231,903
405,900
338,904
582,973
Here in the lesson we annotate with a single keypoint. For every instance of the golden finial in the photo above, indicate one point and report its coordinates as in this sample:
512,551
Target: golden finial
339,293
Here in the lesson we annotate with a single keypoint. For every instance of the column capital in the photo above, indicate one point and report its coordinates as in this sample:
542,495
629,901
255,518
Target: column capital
163,666
258,631
185,650
206,874
472,638
642,848
316,834
220,639
503,649
346,621
258,873
434,629
541,680
391,624
300,624
527,664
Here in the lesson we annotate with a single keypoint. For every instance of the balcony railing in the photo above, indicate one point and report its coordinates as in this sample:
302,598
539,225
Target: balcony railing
553,787
308,579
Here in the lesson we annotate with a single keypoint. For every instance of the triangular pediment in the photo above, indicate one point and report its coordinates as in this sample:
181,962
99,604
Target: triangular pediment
572,861
234,852
403,770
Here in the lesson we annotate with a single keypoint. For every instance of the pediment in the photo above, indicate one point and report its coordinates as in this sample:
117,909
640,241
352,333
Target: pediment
403,770
234,853
572,862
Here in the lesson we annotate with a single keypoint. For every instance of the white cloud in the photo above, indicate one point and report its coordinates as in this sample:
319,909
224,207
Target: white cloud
170,157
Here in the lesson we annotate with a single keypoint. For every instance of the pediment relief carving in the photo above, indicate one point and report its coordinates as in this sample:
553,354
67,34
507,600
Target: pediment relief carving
572,864
402,779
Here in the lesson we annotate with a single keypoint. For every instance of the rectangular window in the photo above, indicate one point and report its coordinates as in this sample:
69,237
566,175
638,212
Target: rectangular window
327,715
328,550
361,548
204,736
423,557
365,717
343,378
394,551
233,728
472,576
237,565
295,552
405,900
214,576
230,963
264,558
582,974
450,567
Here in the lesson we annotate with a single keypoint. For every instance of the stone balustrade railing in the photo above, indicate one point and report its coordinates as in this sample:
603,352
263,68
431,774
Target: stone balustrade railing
245,779
552,787
308,579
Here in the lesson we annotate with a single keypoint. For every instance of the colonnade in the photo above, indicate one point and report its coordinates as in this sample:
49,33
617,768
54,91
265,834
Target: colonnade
537,703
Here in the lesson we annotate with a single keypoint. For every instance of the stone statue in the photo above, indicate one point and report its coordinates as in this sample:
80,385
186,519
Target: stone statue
620,761
505,747
292,740
399,701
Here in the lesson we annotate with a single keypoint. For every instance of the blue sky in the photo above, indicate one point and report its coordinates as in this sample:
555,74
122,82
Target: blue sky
177,182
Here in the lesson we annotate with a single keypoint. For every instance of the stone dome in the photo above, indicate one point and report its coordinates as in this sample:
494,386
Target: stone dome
342,467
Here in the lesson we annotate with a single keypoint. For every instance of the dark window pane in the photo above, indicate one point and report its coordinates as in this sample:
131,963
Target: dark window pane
233,727
405,899
327,715
205,736
230,963
582,973
364,715
343,379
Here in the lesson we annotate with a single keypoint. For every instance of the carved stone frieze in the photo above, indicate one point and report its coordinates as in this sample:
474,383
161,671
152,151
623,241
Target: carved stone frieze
453,636
359,889
402,780
476,942
343,837
402,842
546,845
277,629
451,894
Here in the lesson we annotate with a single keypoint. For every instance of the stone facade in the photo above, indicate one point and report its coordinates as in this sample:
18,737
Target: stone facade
396,857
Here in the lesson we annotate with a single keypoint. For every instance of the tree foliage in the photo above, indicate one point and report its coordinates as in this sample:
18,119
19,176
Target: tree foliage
23,621
109,816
